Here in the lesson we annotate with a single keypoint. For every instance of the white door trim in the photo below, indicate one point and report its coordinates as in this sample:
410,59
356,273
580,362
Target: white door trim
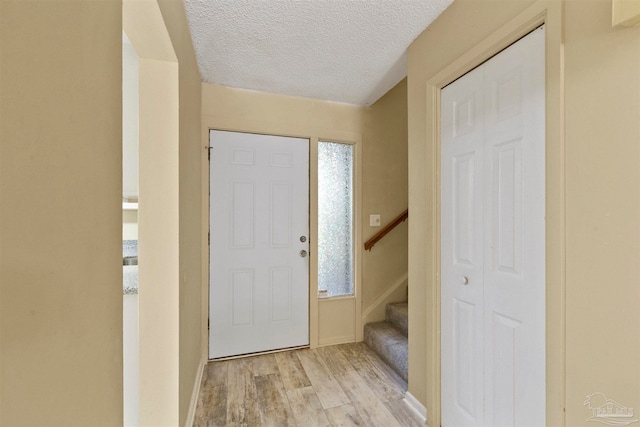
317,330
549,14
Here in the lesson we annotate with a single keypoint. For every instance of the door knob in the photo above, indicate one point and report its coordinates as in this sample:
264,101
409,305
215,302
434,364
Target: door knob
464,280
303,239
303,253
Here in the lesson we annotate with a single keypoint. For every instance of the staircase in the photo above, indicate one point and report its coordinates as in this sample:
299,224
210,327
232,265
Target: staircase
389,338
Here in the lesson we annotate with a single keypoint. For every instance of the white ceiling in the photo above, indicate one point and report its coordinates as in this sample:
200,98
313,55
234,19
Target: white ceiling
350,51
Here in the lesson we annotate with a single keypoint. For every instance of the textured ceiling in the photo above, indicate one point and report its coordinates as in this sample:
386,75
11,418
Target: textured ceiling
350,51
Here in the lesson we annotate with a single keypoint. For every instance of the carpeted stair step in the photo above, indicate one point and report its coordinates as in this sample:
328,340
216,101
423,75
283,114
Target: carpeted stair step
398,316
390,344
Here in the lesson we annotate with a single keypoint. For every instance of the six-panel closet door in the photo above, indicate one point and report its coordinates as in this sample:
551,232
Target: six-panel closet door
493,241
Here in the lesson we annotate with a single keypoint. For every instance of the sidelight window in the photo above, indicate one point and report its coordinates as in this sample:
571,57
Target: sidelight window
335,219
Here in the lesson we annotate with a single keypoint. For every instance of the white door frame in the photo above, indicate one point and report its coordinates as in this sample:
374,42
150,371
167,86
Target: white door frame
541,13
329,318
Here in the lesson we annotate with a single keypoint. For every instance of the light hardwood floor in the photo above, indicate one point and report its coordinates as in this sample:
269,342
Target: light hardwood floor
343,385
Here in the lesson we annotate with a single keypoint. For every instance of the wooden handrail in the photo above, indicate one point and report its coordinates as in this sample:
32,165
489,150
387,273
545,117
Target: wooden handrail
380,234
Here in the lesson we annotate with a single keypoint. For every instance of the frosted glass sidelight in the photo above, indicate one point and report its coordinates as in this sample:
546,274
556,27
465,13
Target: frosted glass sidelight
335,219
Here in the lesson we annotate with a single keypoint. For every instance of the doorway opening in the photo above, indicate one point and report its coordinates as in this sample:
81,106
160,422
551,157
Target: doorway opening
130,134
158,213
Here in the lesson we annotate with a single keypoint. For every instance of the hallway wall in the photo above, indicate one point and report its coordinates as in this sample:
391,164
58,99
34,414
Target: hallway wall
60,268
60,213
593,197
385,192
191,240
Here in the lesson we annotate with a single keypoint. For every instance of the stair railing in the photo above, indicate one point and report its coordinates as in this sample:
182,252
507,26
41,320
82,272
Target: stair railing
387,228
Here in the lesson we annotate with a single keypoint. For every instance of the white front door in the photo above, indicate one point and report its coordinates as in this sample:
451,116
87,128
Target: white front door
493,241
259,229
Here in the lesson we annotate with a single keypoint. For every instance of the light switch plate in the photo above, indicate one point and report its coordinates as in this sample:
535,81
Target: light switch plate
374,220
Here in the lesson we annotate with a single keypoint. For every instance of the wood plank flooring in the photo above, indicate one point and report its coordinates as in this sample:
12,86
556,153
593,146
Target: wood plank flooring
343,385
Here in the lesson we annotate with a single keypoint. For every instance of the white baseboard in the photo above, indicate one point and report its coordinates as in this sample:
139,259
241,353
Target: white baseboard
195,394
335,340
416,406
382,300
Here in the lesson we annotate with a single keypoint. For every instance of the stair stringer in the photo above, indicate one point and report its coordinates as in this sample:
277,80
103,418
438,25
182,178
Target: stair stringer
397,292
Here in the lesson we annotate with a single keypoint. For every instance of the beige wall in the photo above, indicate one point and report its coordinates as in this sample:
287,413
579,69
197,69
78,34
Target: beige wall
626,13
229,108
158,244
130,224
385,192
602,80
593,189
60,268
130,122
170,210
190,239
